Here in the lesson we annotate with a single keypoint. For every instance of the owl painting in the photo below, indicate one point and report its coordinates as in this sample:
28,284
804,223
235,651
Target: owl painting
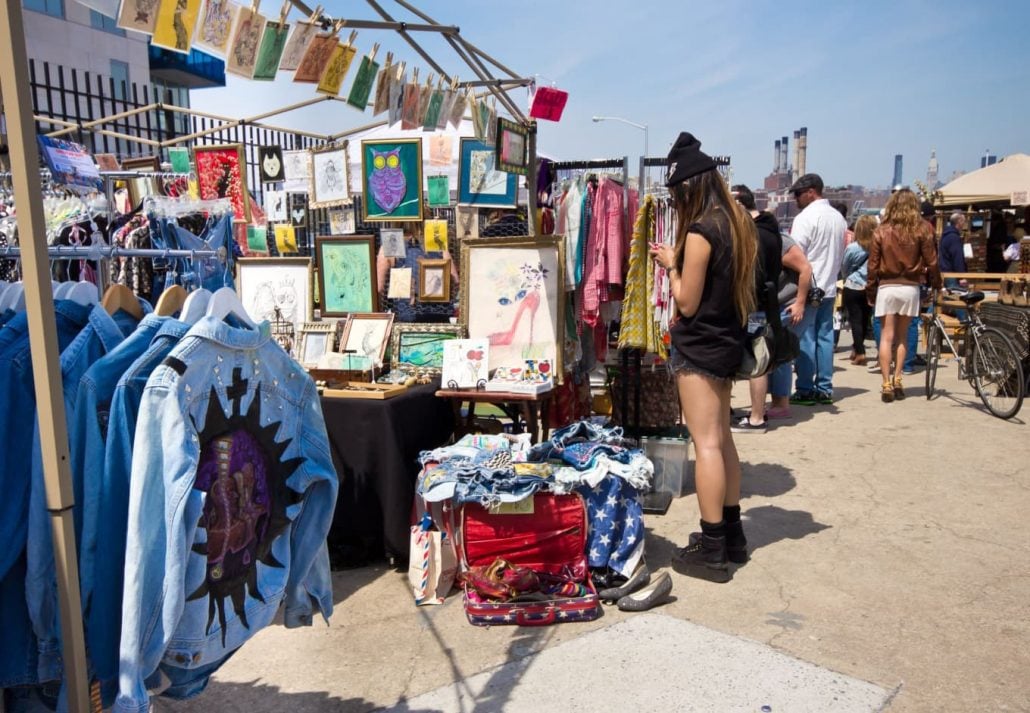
387,182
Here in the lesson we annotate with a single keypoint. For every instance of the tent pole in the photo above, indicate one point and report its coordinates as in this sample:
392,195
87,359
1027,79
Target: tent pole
39,305
531,187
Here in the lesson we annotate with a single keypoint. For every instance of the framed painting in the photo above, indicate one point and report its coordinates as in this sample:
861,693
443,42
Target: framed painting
480,182
276,288
346,274
341,221
512,147
176,20
391,180
434,280
366,335
316,339
419,347
141,163
215,27
329,179
222,173
512,295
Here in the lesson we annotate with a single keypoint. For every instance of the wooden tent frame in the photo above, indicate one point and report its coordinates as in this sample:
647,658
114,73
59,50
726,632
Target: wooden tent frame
15,90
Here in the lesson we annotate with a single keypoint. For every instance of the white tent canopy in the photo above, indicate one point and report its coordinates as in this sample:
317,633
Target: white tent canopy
993,184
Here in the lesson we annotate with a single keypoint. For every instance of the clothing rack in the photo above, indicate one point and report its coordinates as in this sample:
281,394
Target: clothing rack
101,252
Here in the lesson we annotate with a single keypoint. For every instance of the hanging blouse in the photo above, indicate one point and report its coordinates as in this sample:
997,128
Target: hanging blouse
639,328
135,273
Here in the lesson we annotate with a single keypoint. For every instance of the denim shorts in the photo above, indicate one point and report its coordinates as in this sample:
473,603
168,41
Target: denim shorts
678,362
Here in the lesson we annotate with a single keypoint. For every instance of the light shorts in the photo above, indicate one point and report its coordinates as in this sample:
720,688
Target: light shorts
897,299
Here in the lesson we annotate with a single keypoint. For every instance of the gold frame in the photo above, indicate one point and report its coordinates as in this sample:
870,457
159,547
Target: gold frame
241,160
417,143
403,328
444,263
362,316
309,328
145,163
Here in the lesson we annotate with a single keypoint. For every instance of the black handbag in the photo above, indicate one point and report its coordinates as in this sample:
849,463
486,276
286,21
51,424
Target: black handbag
772,345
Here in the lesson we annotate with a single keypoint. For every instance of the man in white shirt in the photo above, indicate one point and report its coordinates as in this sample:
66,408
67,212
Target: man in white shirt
819,231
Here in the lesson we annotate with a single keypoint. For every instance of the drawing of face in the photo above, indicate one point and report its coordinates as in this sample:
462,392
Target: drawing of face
272,165
387,182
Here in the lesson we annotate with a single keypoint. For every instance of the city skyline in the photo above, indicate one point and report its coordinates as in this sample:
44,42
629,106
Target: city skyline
869,81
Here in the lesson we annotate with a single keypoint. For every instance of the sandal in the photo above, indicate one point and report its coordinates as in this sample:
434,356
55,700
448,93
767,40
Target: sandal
887,393
899,392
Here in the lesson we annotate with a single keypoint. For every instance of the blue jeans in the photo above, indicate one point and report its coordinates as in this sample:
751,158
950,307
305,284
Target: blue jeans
815,360
779,378
911,340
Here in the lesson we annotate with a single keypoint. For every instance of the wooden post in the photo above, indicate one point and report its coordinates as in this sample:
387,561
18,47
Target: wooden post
39,304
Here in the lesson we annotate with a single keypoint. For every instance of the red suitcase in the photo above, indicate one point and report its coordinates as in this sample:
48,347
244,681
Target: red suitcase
548,534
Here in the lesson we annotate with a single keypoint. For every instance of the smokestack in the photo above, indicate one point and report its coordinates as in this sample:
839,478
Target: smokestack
803,152
776,157
797,155
784,166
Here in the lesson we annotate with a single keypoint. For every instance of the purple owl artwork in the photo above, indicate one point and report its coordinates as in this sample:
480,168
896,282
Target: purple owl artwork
387,182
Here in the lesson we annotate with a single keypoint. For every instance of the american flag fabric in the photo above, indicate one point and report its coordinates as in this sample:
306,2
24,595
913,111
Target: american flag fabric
616,520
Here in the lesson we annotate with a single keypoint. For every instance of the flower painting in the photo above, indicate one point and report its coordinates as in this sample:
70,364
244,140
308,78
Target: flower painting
392,180
221,174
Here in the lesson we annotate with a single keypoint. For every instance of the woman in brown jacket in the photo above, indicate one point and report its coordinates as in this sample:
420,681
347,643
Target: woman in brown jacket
902,256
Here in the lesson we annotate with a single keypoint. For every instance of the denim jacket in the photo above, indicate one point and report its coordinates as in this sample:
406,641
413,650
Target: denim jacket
231,468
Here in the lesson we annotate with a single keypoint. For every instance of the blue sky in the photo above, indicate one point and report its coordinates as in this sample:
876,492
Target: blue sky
868,79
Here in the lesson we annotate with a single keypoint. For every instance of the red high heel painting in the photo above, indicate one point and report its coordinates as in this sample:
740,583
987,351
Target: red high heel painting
530,302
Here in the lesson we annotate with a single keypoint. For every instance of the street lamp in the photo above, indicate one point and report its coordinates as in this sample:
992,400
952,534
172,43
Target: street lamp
643,127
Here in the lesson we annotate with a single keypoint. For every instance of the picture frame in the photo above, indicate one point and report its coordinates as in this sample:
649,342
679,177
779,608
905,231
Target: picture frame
367,335
329,177
316,339
419,347
297,171
107,162
270,164
434,280
512,146
347,274
222,173
141,163
264,283
391,180
519,283
480,182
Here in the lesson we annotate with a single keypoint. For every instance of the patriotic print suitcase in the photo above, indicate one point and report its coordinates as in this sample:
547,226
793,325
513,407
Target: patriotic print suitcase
547,533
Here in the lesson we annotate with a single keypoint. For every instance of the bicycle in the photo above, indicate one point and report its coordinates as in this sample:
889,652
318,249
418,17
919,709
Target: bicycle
991,363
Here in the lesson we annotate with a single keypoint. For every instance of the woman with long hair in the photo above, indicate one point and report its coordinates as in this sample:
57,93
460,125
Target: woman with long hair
903,254
711,272
854,269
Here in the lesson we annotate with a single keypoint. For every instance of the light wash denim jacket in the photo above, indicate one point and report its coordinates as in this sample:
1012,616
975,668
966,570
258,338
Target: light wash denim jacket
230,501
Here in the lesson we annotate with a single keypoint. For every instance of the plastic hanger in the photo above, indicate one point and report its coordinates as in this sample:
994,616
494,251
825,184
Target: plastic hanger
14,297
119,297
195,306
84,293
62,290
170,301
224,302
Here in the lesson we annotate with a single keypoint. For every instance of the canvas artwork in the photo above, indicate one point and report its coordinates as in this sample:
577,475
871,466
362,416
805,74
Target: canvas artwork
271,51
336,70
341,221
511,295
138,15
297,45
420,347
242,56
270,164
362,87
269,284
480,182
221,173
512,147
465,363
367,335
297,171
215,26
317,55
392,240
347,281
329,182
439,191
176,20
277,206
392,180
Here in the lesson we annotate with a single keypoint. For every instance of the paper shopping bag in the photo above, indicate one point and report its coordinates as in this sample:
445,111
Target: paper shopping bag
432,566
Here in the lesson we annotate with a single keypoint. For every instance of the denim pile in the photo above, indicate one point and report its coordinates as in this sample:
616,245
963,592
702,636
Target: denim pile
584,457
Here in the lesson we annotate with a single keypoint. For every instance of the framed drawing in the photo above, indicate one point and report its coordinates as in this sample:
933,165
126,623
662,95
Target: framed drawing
138,15
512,295
342,221
329,178
297,171
346,274
176,20
366,335
215,26
512,146
480,183
391,180
394,245
141,163
434,280
316,339
222,173
283,284
270,164
419,347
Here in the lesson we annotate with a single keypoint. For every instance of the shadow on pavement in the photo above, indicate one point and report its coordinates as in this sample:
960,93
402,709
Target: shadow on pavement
768,524
767,480
254,696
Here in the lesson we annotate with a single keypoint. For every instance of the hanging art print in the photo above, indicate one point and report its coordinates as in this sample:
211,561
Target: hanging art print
215,26
297,171
138,15
480,182
276,206
297,45
316,57
362,87
176,20
329,178
512,147
270,164
336,70
392,180
272,45
243,55
221,173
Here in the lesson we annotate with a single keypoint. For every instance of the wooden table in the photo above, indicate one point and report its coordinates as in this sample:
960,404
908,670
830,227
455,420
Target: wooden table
531,409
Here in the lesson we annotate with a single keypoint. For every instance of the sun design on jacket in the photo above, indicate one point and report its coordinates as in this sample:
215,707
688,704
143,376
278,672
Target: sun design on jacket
244,474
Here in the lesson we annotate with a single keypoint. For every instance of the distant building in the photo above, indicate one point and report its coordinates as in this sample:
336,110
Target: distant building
931,171
988,159
897,170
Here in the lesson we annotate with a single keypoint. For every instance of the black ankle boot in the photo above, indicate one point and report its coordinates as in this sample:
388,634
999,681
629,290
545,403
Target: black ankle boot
736,542
707,557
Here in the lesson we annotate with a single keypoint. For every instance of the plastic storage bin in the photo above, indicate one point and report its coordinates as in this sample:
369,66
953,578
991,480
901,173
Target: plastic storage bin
673,469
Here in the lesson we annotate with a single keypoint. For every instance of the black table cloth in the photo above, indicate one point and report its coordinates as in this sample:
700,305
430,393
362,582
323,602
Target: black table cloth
375,446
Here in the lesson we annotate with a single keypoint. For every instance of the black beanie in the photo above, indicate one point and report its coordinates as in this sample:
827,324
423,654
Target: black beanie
686,159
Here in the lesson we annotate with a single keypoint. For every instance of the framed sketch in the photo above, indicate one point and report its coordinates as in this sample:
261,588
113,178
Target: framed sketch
176,20
346,274
215,26
419,347
270,164
367,334
141,163
138,15
466,222
269,284
342,221
297,171
512,295
512,146
277,206
480,182
316,339
329,179
222,173
391,180
434,280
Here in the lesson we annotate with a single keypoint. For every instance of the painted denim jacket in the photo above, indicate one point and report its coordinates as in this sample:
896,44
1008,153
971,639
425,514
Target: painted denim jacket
231,498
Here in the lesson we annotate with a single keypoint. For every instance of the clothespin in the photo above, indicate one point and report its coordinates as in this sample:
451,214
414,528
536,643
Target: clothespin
337,26
454,83
283,13
315,15
353,36
414,75
400,70
254,5
439,84
389,57
429,81
372,54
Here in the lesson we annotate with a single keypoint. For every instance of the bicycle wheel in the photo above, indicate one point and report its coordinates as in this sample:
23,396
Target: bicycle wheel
933,357
997,373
